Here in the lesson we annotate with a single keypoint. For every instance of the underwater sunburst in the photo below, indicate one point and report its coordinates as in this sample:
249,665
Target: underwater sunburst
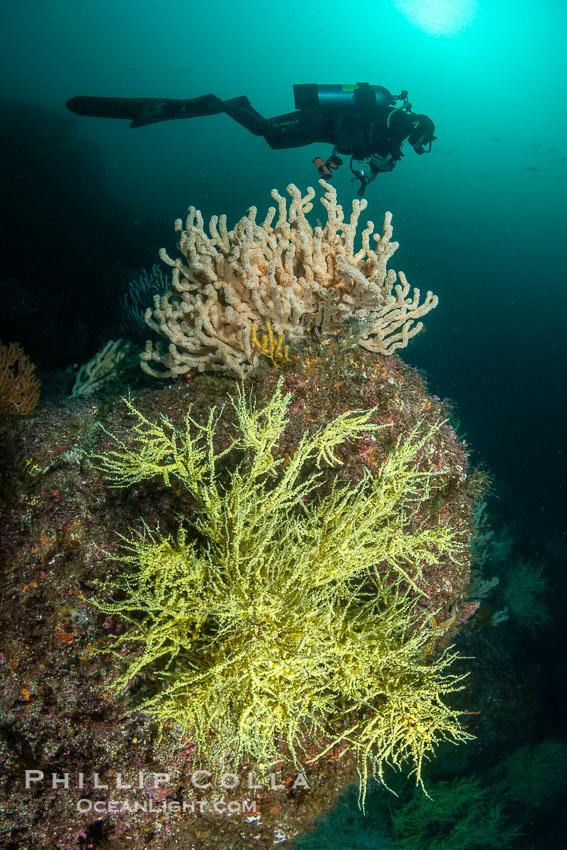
439,17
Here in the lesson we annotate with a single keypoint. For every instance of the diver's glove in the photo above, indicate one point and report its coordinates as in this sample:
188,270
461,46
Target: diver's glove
369,168
379,164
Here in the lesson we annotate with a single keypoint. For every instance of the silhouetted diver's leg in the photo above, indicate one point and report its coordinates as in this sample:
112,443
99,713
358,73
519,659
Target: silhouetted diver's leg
291,130
302,127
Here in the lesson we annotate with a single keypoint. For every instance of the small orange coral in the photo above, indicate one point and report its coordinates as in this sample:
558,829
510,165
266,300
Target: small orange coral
19,386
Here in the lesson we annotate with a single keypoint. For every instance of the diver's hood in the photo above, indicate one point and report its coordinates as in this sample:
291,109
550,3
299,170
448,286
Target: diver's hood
422,134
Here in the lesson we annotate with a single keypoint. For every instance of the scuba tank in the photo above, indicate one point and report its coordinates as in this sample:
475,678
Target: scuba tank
341,96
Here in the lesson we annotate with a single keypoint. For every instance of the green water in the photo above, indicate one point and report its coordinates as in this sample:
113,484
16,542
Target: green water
480,219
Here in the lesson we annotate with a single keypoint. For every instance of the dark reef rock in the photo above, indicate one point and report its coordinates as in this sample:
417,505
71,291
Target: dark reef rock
59,516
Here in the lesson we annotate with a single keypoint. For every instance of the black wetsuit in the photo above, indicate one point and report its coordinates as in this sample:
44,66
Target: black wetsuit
360,121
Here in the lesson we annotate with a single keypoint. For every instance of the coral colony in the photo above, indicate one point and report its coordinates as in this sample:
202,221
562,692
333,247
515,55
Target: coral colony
287,277
290,614
279,612
251,571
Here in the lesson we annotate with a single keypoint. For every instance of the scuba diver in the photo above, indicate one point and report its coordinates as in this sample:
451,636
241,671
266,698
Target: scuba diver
362,121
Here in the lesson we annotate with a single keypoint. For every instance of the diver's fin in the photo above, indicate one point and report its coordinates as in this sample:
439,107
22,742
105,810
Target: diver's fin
145,110
241,110
242,102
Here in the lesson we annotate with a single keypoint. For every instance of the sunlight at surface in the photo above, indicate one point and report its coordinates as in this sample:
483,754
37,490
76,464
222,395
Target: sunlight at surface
439,17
